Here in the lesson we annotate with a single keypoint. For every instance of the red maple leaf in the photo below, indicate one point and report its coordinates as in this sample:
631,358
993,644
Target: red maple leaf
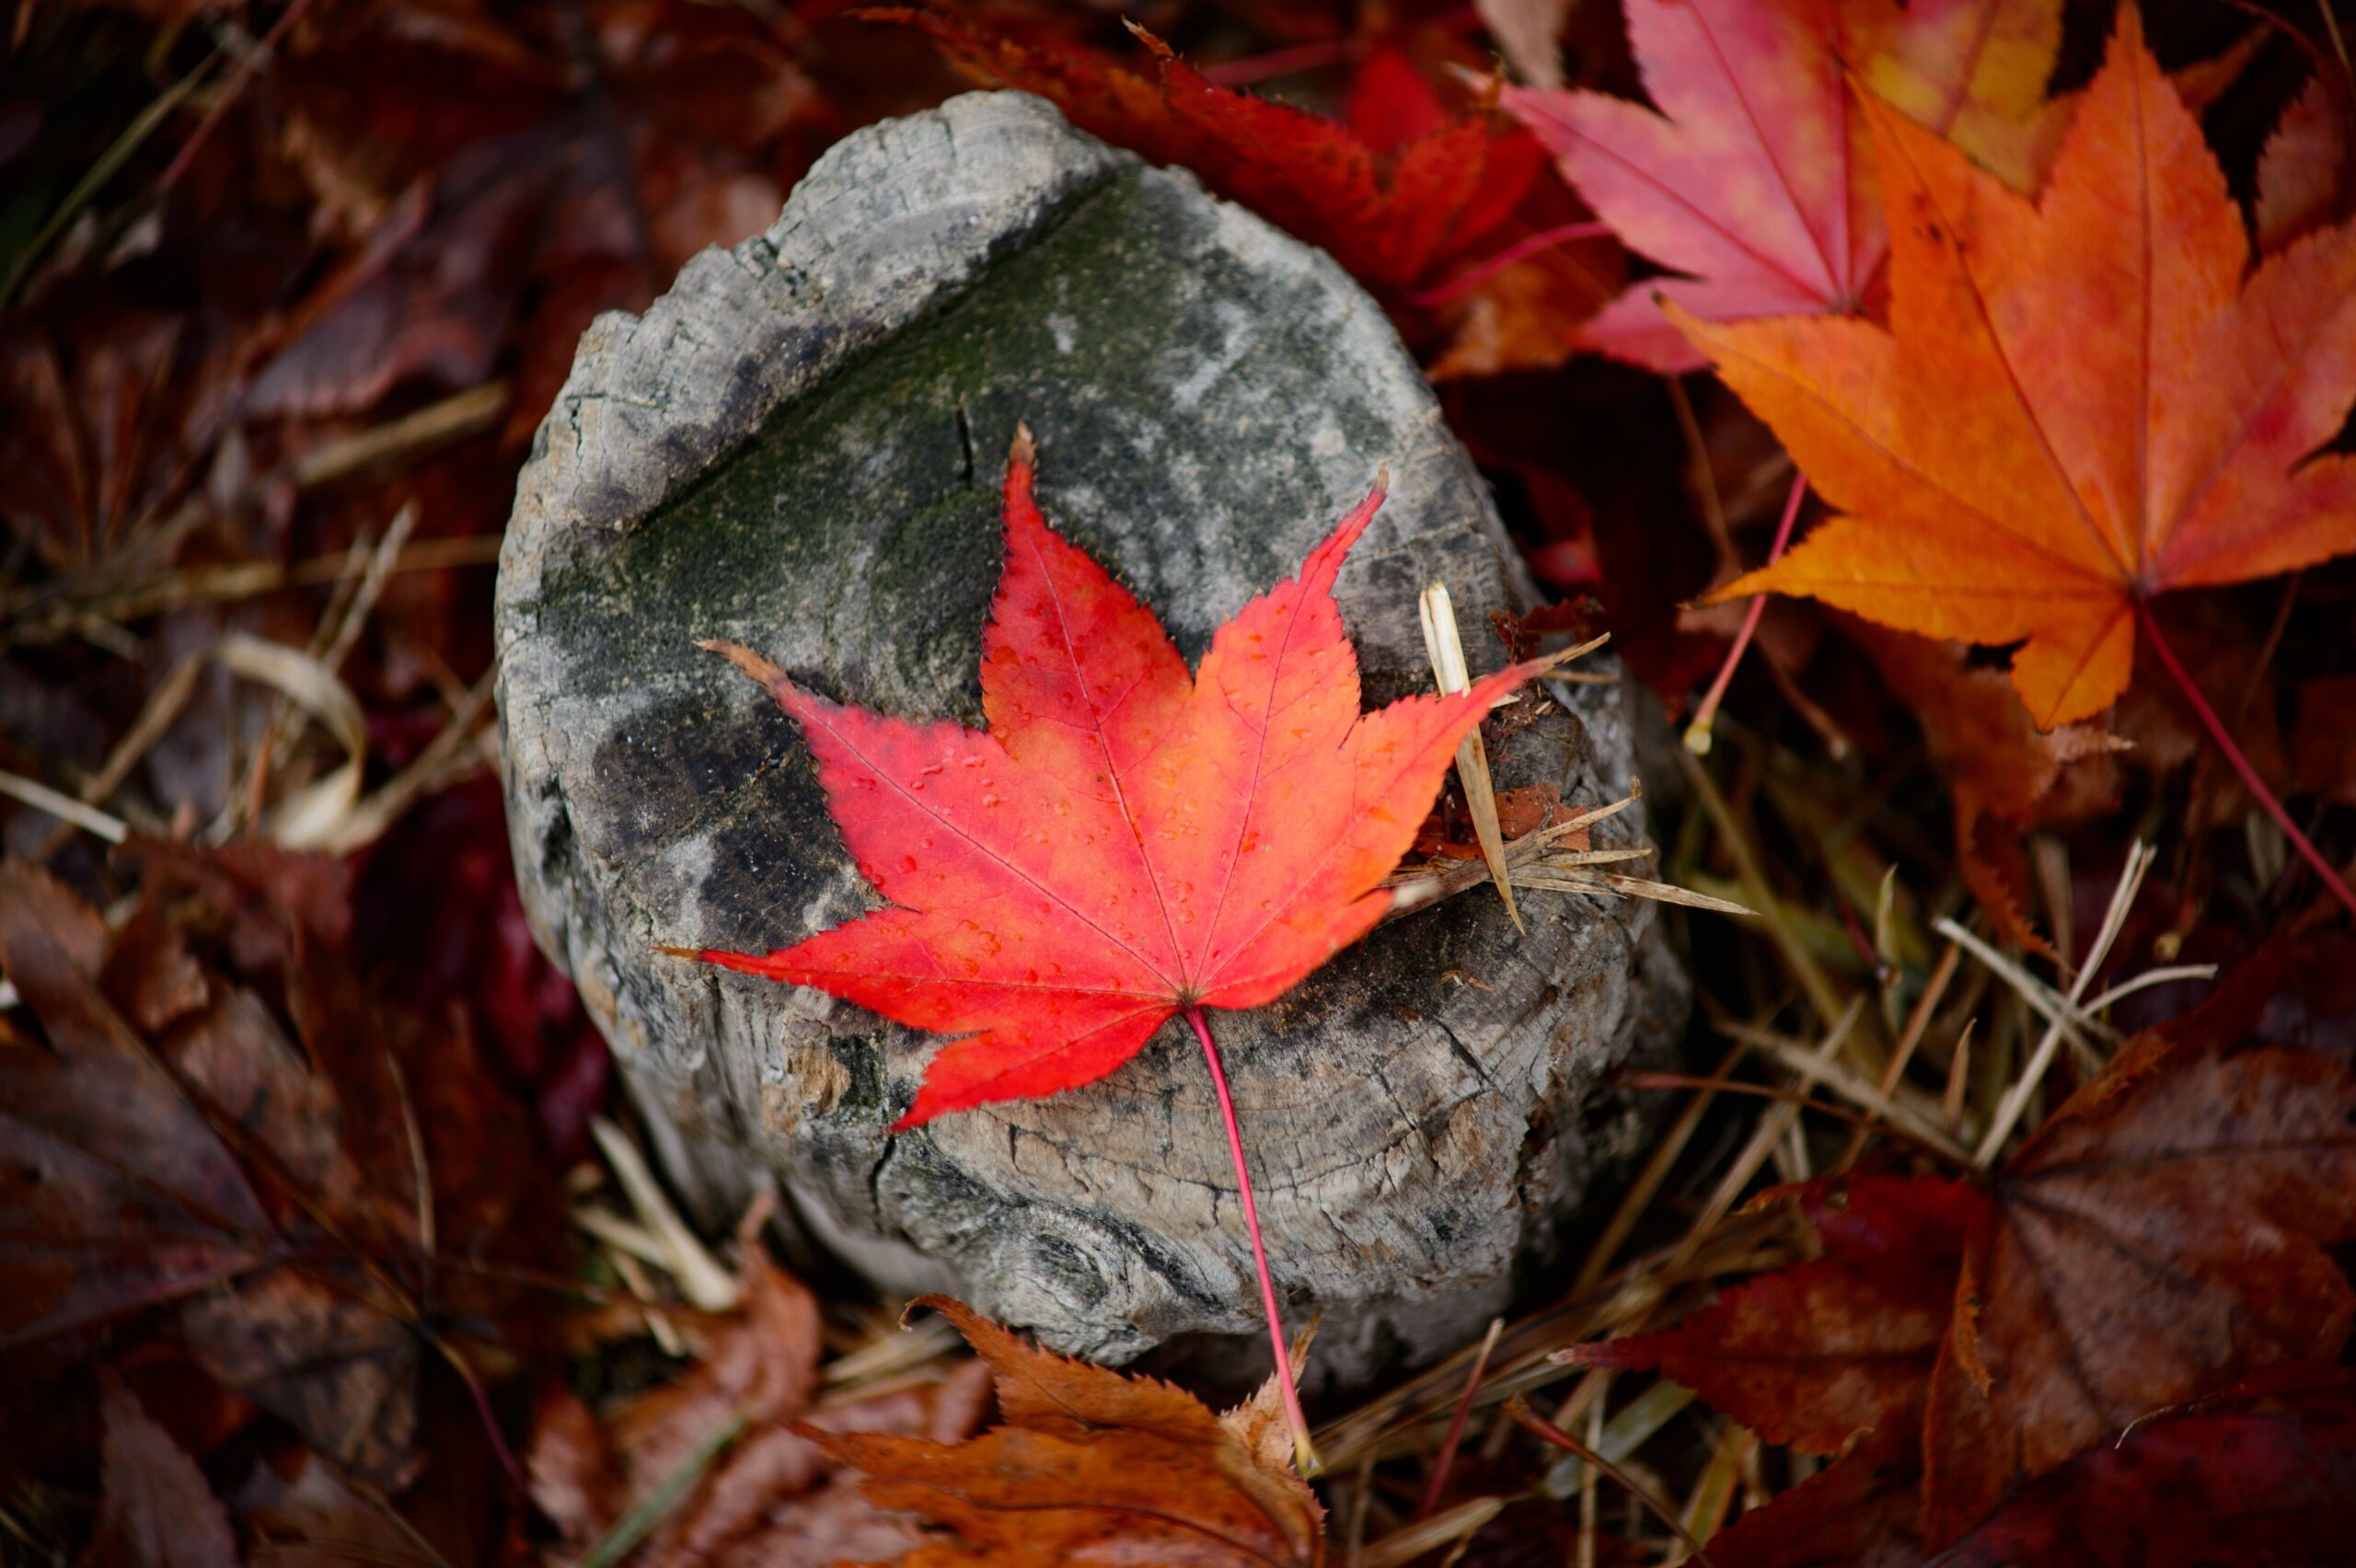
1392,192
1811,1355
1125,842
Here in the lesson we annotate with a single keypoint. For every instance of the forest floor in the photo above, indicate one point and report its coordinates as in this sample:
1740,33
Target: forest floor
2003,1214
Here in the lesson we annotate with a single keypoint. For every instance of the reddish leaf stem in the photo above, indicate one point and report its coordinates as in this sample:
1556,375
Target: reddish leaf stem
1304,1456
1697,733
2241,764
1437,1486
1547,1432
1481,272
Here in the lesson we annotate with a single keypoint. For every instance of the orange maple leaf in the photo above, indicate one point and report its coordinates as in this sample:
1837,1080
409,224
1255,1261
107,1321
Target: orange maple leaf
2081,402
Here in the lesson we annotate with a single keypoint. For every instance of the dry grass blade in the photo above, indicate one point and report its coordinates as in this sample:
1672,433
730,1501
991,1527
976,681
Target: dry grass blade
1446,650
2015,1102
1763,1140
1438,1483
1822,994
155,717
55,610
1630,1429
1403,1547
445,759
1410,1417
2042,1000
700,1279
64,807
458,416
1532,862
1668,893
1846,1082
307,818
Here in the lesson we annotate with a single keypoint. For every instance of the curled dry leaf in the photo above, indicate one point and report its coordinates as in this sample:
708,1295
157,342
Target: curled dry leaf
2083,401
1089,1466
771,1493
2264,1472
170,1145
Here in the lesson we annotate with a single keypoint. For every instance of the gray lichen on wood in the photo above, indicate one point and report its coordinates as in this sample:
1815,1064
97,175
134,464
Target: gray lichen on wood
799,448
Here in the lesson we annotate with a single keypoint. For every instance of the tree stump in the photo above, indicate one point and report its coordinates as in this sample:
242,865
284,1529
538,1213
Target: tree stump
798,447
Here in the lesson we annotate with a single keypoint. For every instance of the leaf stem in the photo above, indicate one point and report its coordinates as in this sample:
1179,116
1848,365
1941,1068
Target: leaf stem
1547,1432
2241,764
1304,1455
1697,733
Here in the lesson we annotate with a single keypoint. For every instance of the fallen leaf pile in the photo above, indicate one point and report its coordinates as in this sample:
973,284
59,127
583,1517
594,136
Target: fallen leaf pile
2025,330
221,1149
